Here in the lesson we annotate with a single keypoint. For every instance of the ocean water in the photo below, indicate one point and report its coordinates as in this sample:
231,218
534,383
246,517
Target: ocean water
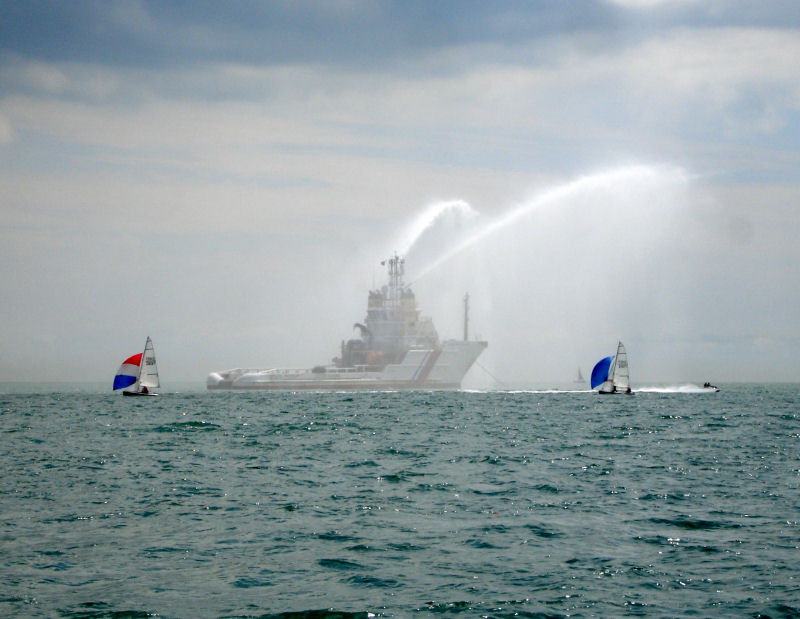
426,504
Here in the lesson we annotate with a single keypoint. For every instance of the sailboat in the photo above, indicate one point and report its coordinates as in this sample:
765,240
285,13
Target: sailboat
579,378
138,374
611,374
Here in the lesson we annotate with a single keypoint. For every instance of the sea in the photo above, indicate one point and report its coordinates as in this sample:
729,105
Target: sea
671,502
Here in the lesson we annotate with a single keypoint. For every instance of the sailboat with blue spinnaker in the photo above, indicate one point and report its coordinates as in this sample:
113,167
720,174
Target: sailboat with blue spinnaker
610,375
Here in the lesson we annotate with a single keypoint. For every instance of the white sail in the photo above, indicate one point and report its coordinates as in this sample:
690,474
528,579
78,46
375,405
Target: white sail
148,370
619,370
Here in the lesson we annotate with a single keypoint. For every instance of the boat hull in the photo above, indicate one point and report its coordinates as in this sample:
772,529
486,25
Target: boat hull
335,385
421,369
138,393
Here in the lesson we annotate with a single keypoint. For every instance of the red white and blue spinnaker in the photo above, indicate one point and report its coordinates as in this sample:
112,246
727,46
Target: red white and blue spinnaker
128,372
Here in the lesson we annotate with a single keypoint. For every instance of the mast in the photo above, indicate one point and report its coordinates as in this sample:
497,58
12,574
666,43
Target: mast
466,317
613,369
137,385
396,272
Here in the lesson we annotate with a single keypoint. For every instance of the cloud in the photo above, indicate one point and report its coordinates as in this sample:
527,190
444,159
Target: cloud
237,158
6,131
696,64
360,36
363,34
650,4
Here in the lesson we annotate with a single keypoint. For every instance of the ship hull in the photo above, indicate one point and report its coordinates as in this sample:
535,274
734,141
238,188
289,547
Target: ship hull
336,385
440,368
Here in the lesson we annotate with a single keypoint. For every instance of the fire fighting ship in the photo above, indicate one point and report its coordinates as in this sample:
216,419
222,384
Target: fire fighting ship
398,349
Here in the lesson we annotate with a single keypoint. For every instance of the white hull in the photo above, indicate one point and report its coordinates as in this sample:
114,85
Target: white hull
437,368
612,391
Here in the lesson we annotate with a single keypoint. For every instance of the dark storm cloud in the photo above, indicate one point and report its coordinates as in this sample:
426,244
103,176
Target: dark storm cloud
369,34
354,33
164,33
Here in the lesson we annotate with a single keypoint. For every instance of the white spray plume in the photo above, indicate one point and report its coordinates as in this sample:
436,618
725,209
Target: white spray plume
556,195
428,218
579,264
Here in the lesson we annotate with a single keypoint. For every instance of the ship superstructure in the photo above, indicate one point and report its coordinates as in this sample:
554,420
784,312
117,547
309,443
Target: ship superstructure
398,348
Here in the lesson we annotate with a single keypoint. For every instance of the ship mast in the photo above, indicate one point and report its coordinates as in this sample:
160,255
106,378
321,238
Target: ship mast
396,272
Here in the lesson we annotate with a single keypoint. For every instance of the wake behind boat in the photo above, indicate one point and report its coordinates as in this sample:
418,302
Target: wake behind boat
611,374
138,374
398,350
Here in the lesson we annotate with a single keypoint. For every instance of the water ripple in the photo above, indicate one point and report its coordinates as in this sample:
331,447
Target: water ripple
400,504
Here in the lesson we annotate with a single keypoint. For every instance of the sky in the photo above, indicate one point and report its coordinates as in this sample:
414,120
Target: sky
227,177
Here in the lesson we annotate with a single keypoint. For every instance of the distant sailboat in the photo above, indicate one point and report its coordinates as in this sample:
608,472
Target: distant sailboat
579,378
138,374
611,374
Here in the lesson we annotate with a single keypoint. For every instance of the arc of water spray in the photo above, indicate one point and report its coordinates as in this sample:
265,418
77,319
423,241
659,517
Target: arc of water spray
427,218
551,198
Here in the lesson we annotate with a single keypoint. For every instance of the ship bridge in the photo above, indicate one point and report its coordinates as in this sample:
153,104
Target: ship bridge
394,324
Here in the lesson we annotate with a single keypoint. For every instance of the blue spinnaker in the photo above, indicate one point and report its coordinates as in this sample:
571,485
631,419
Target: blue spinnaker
123,380
600,371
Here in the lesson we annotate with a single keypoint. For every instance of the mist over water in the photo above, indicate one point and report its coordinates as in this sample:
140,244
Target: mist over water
557,279
687,388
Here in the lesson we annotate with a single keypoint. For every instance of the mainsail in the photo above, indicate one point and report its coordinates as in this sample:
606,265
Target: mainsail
148,376
619,374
